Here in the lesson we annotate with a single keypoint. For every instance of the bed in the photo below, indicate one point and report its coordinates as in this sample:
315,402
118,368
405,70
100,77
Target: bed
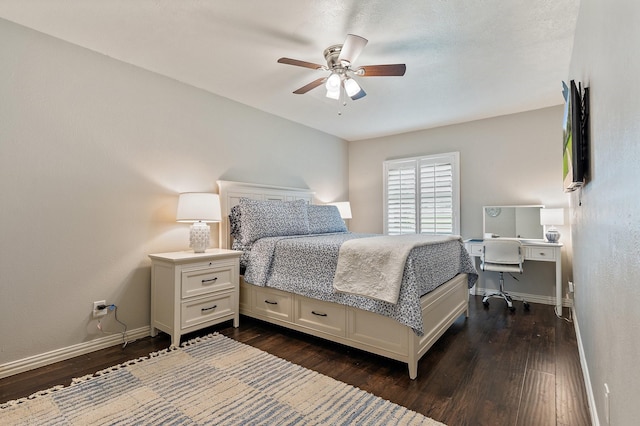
321,297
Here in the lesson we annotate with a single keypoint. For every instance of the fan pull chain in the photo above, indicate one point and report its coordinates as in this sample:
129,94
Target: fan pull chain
342,101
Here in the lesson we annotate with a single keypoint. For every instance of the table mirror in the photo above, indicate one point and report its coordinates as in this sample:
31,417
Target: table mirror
513,221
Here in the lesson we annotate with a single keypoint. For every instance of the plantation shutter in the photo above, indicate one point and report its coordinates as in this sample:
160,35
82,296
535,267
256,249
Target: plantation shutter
422,195
401,199
436,198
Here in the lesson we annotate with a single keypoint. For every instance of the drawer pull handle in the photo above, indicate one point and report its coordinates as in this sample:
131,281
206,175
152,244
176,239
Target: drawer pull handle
270,302
541,254
214,279
208,309
320,314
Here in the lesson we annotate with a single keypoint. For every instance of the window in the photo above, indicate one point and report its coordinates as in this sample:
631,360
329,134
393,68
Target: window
422,195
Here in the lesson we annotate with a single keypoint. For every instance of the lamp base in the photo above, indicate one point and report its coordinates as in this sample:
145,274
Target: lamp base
552,235
199,237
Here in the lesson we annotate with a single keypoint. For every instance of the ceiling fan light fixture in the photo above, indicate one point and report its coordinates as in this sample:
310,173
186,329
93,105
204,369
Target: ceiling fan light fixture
351,86
334,94
333,83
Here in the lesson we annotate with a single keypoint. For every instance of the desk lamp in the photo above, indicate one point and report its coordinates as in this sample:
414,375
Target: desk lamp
551,218
199,209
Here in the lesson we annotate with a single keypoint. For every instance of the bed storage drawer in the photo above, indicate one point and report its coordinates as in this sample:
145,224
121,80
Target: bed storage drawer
272,303
320,316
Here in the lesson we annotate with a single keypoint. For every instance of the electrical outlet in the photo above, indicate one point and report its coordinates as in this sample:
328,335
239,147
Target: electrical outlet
571,287
97,313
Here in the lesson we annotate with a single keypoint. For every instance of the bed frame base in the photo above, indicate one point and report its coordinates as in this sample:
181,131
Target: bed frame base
357,328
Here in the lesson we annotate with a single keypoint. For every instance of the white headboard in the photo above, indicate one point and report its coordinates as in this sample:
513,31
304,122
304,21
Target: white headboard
231,192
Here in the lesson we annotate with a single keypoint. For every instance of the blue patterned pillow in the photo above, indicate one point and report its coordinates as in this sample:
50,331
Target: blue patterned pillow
262,219
325,219
234,222
244,257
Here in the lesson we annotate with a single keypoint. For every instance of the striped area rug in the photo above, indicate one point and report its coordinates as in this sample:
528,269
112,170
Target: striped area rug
208,381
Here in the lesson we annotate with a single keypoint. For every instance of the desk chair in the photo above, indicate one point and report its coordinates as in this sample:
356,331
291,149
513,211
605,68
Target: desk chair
502,255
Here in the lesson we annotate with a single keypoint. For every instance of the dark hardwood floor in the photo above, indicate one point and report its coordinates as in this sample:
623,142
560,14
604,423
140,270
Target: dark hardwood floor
494,368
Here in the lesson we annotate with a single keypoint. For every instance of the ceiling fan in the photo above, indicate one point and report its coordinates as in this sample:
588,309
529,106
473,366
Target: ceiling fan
340,59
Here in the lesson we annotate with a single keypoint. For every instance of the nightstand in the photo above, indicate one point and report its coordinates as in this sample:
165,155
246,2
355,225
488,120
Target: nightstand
190,291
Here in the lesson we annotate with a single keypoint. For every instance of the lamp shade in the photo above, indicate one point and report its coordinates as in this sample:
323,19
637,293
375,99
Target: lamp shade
351,87
333,82
344,207
198,207
552,217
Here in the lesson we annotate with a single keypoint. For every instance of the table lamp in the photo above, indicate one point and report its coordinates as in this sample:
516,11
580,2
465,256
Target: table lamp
551,218
199,208
344,207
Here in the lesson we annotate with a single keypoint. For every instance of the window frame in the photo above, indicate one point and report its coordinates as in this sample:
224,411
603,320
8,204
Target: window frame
452,158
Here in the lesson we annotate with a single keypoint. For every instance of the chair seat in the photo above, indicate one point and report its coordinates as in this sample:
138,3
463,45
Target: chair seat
501,267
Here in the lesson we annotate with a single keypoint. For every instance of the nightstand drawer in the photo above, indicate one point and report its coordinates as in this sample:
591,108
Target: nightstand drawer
197,282
199,311
322,316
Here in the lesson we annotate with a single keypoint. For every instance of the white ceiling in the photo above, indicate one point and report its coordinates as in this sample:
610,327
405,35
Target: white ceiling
466,59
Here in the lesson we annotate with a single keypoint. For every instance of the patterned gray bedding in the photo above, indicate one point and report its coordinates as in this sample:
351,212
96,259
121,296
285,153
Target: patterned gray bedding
306,264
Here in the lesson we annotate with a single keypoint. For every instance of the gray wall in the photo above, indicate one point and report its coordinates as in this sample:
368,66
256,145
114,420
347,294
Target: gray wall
509,160
93,153
606,227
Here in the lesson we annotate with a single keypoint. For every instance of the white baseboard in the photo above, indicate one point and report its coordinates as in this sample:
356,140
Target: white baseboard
36,361
585,373
531,298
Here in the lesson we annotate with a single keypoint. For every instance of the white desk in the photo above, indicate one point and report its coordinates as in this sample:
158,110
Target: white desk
537,250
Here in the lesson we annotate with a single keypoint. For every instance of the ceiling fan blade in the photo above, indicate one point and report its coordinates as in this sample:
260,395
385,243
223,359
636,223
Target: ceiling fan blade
381,70
351,48
299,63
312,85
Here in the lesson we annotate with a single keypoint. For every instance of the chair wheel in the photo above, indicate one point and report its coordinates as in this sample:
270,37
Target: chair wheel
486,304
526,306
512,309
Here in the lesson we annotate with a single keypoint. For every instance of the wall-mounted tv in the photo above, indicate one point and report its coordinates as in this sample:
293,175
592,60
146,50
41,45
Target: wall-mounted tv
575,136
